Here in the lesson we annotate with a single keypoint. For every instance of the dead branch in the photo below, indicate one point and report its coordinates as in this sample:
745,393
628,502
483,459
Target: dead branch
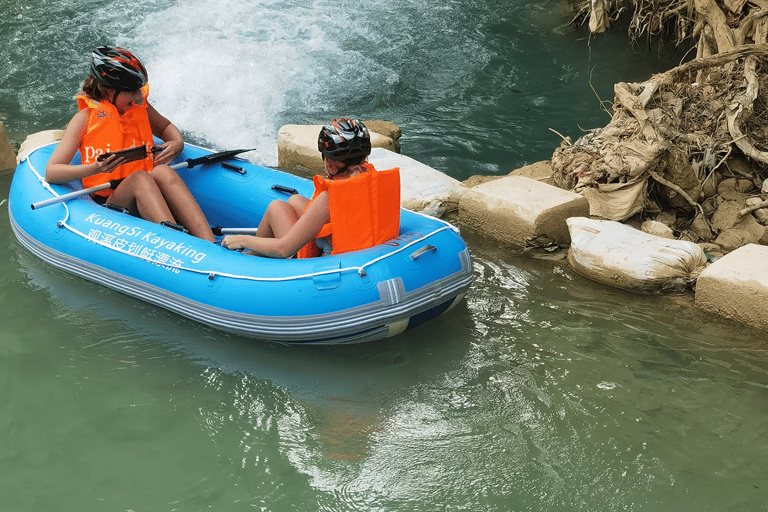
737,52
751,209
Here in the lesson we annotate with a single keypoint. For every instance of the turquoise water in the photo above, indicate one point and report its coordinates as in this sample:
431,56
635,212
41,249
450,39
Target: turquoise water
542,391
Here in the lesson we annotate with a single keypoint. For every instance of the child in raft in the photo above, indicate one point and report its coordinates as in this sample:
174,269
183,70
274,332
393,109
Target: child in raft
114,114
305,227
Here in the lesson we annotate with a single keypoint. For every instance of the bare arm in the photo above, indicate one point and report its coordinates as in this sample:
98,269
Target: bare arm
59,170
306,229
162,128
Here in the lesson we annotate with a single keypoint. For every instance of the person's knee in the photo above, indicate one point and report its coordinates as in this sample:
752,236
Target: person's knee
140,181
138,184
277,208
280,213
164,175
298,202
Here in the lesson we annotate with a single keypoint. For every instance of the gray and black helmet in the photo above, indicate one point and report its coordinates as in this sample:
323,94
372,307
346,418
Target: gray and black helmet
344,139
117,68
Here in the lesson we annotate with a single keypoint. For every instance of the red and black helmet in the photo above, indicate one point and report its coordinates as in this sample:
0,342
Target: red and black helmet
344,139
117,68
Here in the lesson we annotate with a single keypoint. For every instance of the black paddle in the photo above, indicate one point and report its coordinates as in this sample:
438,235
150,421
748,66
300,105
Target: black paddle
209,159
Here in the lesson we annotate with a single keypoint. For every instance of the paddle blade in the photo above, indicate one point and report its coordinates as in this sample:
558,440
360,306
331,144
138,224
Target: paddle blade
210,159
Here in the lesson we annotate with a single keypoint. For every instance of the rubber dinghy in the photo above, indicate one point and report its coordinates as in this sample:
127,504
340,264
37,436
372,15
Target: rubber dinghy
355,297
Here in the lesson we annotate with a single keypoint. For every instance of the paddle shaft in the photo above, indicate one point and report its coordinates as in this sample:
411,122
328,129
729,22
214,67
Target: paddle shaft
77,193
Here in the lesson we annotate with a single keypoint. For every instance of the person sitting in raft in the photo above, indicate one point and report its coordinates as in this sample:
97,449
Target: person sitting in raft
114,114
355,207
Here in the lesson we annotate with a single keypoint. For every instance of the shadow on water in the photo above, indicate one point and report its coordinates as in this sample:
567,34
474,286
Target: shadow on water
311,371
338,391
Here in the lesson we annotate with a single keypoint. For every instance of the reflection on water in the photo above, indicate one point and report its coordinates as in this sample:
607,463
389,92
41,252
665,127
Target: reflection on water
543,391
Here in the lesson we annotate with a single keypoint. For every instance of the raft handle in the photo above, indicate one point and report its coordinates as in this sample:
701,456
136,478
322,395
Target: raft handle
287,190
177,227
116,207
426,248
230,167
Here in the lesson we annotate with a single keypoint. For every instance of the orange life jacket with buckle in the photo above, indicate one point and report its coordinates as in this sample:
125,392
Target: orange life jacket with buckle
108,131
365,211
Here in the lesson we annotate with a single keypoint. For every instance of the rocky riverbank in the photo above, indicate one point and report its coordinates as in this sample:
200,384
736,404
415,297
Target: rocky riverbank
531,209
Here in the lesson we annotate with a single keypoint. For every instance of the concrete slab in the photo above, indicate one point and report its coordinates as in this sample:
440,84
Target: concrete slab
36,140
736,286
514,208
422,188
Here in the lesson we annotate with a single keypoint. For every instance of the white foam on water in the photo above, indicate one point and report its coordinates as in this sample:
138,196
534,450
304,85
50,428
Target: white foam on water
231,73
222,72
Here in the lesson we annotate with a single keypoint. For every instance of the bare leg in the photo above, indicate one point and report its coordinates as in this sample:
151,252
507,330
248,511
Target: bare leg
277,220
181,202
298,203
141,195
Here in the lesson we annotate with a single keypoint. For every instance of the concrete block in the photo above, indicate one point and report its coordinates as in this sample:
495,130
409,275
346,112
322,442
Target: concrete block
539,171
514,208
297,146
422,188
37,140
736,286
7,153
386,128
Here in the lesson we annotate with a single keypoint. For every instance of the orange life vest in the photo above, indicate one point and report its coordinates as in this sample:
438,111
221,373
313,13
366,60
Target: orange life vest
365,211
108,131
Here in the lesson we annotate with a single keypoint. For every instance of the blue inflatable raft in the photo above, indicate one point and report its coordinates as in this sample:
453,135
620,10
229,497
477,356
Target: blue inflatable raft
350,298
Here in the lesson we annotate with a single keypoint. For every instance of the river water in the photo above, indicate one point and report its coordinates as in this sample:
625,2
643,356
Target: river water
543,391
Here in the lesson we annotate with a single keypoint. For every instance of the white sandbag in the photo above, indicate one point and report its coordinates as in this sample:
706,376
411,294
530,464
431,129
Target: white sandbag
618,255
